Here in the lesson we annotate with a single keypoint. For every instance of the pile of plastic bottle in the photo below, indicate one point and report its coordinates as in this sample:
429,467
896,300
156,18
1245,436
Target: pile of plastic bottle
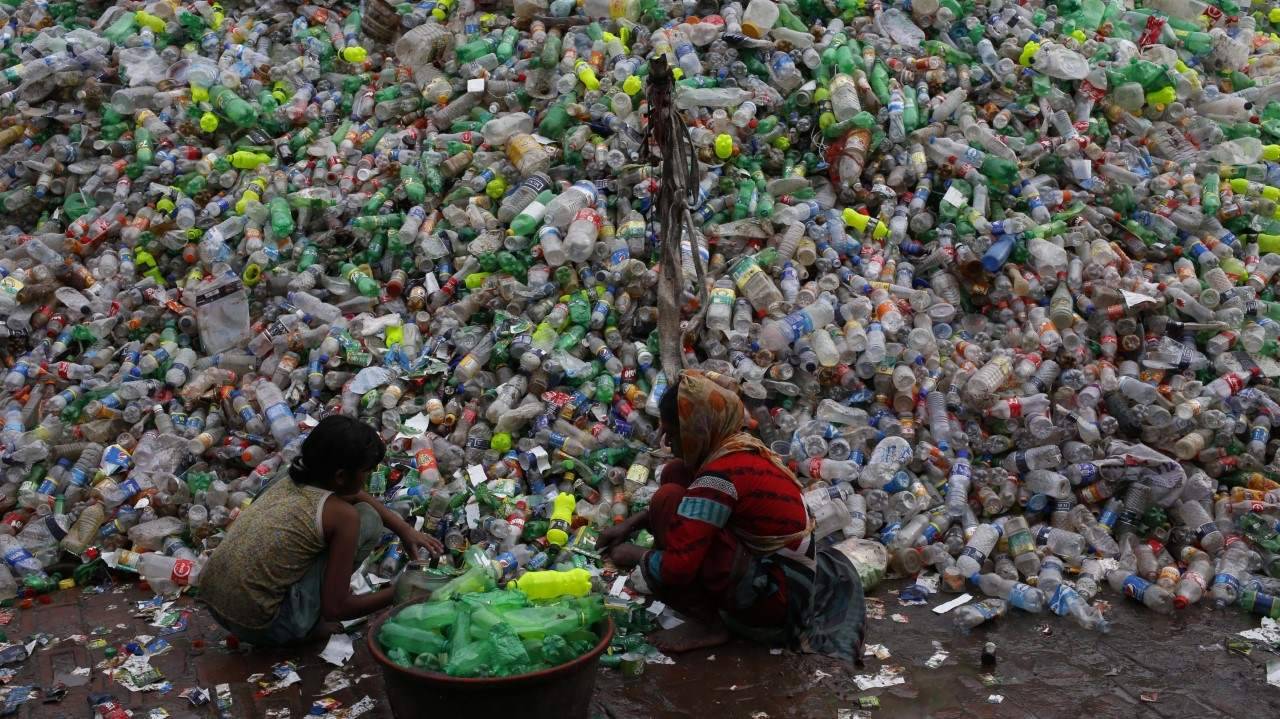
997,278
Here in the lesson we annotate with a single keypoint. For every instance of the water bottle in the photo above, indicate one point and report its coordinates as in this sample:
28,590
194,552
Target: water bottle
564,207
970,616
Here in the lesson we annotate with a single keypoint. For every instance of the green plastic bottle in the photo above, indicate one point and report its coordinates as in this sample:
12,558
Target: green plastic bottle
360,279
281,216
556,619
411,639
481,576
530,218
232,106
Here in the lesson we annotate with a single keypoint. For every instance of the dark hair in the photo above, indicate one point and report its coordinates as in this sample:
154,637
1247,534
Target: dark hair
669,407
338,442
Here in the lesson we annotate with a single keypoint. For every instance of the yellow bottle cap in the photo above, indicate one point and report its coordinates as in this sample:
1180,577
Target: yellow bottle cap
632,85
1268,243
782,142
355,54
496,188
1271,153
1028,51
1080,36
677,73
821,94
475,279
67,584
1239,185
208,122
199,94
251,275
1274,15
724,146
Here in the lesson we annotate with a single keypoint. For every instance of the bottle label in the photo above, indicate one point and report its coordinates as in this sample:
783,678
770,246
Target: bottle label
54,529
425,459
1135,587
1060,602
723,296
744,271
637,474
1108,518
974,553
537,184
1205,530
1020,461
1227,580
889,532
18,557
129,487
1020,543
1195,578
181,574
1019,596
1088,472
279,411
986,609
1042,536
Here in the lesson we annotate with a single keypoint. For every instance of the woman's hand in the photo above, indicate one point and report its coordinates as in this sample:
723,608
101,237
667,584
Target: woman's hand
618,533
626,556
613,536
413,540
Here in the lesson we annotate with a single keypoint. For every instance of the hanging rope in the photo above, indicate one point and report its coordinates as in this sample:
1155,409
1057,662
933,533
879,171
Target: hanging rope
679,177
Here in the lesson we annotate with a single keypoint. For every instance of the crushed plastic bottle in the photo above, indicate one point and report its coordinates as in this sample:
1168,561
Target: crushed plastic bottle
996,279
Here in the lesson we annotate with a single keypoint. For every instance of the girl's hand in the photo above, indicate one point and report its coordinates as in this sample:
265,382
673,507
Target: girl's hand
413,540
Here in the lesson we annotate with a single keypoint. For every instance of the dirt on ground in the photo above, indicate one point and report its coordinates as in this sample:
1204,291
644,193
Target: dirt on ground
1189,665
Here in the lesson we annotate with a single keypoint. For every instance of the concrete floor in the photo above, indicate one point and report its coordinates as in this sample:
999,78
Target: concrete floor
1149,666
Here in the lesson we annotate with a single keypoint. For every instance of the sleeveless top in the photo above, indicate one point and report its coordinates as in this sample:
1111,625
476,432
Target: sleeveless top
267,549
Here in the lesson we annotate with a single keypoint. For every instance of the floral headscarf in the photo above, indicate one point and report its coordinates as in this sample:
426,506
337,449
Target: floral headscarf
711,418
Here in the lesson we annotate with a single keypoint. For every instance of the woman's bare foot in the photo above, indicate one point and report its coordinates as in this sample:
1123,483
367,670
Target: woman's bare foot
690,636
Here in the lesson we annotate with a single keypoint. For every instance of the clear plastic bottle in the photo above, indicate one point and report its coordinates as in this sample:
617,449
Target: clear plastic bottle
971,616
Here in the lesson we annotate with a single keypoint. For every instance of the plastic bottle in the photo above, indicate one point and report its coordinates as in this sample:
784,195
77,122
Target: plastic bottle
970,616
550,585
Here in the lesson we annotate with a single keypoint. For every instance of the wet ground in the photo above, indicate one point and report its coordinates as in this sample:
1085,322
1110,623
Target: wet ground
1148,666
